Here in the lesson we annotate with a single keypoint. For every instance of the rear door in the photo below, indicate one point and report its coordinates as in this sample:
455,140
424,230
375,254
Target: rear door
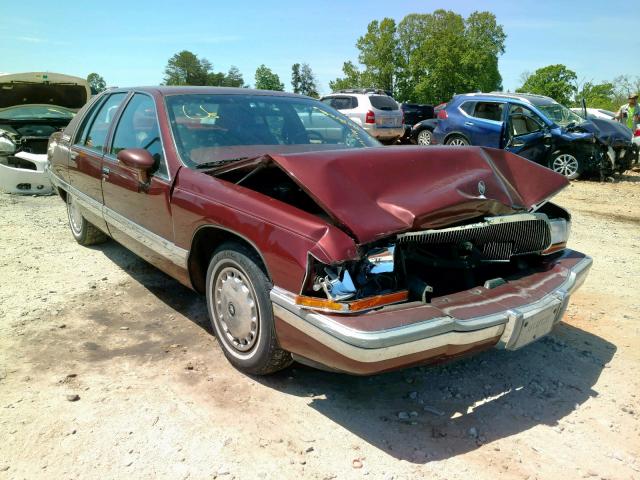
483,122
527,135
85,157
139,216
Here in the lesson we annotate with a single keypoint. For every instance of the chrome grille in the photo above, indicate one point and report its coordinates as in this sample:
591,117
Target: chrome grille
498,238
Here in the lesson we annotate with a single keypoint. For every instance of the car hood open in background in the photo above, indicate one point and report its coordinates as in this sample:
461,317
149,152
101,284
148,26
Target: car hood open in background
375,192
43,88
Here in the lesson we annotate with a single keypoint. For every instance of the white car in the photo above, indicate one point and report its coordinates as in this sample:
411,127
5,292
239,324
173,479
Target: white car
34,105
371,109
595,113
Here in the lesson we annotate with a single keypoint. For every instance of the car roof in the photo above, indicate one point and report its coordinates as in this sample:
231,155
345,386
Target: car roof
165,90
530,98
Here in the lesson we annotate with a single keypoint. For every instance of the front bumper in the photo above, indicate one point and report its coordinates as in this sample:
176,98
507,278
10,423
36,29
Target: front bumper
26,181
509,316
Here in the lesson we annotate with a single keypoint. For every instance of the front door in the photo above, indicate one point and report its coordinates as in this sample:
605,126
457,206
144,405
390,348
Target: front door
85,157
527,135
139,216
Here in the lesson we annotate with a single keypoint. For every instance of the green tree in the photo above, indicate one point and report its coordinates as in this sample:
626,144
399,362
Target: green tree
378,52
267,80
185,68
599,95
428,57
234,78
303,80
555,81
96,83
352,78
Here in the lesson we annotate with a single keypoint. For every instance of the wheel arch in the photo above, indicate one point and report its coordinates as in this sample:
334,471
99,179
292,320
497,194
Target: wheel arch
206,239
455,134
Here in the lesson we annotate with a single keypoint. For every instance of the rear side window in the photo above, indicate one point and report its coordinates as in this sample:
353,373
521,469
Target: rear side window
467,107
382,102
95,136
489,111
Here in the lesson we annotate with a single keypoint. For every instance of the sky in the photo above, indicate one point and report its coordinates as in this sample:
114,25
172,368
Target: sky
129,43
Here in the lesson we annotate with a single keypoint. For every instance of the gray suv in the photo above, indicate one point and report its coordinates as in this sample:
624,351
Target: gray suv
373,110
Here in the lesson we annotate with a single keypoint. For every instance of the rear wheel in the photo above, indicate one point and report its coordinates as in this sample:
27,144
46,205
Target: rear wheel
424,137
565,164
241,313
457,141
84,232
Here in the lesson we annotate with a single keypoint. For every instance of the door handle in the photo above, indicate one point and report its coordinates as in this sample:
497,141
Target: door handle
469,124
73,155
517,143
106,171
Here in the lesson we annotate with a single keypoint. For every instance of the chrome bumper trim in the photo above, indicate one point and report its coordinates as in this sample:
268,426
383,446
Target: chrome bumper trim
371,346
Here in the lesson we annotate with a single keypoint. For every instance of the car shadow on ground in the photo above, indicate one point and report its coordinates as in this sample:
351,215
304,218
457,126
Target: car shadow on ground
433,412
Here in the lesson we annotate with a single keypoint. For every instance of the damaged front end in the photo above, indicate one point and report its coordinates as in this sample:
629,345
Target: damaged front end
458,250
422,265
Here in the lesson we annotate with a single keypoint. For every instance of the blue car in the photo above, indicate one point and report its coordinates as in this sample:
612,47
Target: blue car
539,129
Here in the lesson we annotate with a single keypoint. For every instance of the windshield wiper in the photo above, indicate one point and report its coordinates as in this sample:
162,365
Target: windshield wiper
219,163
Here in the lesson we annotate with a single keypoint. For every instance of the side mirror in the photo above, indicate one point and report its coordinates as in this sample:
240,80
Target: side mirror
138,159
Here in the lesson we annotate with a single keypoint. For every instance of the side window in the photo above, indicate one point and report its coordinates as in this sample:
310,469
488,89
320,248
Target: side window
467,107
489,111
343,103
95,136
138,128
523,121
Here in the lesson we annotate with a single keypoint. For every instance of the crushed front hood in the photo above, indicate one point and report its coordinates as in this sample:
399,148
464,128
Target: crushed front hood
375,192
609,132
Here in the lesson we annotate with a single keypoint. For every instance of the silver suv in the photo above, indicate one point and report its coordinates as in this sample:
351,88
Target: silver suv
373,110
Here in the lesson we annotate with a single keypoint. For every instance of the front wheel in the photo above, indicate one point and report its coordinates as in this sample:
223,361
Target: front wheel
457,141
565,164
424,137
241,313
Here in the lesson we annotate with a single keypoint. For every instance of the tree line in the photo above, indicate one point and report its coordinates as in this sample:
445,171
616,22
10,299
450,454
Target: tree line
424,58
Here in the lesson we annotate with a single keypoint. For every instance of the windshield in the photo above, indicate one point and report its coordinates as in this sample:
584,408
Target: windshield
560,115
212,128
31,112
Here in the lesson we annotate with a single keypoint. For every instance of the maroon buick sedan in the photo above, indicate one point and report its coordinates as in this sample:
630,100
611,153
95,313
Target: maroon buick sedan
310,241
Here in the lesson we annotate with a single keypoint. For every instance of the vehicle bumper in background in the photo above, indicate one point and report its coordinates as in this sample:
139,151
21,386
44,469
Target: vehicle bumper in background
26,181
509,316
384,133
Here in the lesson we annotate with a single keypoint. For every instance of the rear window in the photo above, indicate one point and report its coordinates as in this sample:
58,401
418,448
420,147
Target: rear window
382,102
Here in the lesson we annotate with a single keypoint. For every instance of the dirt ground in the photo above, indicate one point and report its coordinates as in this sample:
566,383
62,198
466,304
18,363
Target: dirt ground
108,369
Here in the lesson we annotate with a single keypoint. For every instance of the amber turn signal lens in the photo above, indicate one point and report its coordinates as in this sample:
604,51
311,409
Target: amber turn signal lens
352,307
555,248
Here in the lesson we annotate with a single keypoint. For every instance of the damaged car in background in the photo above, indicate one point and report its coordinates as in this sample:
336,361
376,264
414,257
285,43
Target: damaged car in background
309,240
540,129
33,106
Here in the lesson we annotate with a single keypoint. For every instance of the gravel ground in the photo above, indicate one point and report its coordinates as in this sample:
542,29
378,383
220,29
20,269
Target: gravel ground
108,370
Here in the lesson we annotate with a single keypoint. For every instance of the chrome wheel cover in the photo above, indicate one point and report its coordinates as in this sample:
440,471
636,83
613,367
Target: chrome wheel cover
457,142
75,216
235,309
565,164
424,137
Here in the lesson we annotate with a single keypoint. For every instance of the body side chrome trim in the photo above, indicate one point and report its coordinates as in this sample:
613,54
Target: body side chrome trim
154,242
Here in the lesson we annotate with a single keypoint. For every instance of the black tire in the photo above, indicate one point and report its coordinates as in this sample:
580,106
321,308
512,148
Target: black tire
566,164
84,232
457,140
233,306
425,137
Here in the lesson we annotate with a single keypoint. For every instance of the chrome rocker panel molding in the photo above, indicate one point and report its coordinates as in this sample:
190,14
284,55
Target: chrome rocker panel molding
375,346
154,242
